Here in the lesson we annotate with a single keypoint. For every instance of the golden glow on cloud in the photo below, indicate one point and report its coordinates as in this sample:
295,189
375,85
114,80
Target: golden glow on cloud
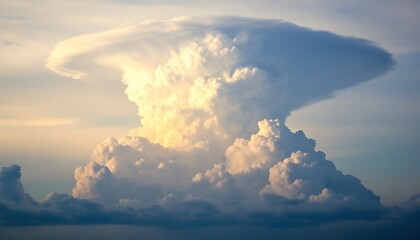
212,96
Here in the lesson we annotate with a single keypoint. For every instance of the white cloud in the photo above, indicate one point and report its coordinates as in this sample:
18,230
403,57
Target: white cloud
204,81
205,90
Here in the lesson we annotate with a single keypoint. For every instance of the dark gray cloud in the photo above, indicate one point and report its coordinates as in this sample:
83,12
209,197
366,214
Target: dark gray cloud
61,214
11,188
19,209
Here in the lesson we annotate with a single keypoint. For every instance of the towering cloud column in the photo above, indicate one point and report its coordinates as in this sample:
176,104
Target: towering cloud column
213,94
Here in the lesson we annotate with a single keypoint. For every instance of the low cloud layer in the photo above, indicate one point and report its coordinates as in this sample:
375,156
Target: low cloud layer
212,148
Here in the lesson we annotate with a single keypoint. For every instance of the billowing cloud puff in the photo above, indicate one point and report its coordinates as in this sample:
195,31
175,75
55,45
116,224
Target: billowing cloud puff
213,94
274,163
308,176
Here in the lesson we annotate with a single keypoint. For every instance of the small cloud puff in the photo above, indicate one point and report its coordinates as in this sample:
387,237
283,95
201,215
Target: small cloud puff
11,188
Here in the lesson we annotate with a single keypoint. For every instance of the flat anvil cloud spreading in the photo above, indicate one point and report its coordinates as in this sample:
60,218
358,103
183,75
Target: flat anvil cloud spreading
213,94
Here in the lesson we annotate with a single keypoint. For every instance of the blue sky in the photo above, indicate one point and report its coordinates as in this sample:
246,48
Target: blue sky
51,124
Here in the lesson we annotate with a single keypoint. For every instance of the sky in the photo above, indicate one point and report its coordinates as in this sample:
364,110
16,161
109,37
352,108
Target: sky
220,104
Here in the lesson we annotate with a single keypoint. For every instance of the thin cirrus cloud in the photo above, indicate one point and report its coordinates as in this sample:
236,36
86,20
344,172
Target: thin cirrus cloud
212,147
36,122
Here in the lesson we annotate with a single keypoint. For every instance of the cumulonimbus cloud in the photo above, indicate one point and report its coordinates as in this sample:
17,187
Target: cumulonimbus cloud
197,81
213,94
